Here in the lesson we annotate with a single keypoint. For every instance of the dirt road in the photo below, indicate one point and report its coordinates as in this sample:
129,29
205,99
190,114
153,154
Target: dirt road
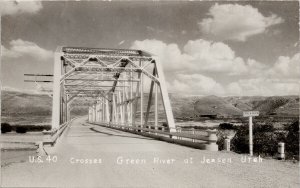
92,156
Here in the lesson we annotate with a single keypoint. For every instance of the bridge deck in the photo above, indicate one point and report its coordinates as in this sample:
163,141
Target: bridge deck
85,141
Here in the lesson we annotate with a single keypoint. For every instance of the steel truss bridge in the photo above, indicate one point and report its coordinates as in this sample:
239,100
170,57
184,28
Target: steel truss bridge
126,89
114,80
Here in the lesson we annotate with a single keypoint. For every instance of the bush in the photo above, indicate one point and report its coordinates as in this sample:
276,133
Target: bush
240,141
263,128
21,130
292,139
265,140
220,142
266,143
227,126
5,127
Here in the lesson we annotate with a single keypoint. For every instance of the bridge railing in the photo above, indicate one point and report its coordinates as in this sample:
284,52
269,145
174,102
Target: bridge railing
198,139
50,137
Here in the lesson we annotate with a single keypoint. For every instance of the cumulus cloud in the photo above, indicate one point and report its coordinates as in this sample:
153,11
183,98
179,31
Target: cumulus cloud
19,48
262,87
198,56
286,67
196,83
170,54
19,7
236,22
217,57
282,78
191,70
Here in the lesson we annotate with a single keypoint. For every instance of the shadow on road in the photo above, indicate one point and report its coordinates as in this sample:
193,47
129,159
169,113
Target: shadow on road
118,135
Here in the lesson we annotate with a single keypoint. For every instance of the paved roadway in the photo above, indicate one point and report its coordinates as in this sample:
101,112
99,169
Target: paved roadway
90,142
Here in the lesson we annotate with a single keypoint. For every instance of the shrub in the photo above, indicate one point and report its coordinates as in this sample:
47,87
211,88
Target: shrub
265,140
5,127
263,128
292,139
266,143
227,126
220,142
21,130
222,135
240,141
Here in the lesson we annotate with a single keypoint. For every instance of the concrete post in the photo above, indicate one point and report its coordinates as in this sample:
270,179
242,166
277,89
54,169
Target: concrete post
250,136
90,114
212,141
193,132
281,154
56,98
227,144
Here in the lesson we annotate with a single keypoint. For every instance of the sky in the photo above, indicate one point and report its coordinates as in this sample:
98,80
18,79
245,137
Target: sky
238,48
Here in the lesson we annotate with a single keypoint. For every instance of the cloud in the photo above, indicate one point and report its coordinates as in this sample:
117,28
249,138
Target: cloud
169,54
286,67
20,48
207,56
195,83
208,68
121,42
19,7
262,87
236,22
282,78
198,56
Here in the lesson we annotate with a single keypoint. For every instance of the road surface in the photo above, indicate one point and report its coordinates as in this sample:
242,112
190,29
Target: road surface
92,156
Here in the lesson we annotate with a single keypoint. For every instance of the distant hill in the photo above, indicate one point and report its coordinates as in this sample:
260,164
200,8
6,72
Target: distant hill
289,108
275,105
14,103
270,104
213,105
25,108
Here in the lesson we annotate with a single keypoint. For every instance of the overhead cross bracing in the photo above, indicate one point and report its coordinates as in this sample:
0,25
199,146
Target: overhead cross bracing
116,81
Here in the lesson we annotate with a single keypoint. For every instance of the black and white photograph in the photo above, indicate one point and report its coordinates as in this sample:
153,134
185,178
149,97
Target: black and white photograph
162,94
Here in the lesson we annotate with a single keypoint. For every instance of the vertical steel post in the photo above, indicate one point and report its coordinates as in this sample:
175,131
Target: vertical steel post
156,107
103,110
107,115
98,111
115,113
66,106
121,107
94,113
142,95
131,97
123,101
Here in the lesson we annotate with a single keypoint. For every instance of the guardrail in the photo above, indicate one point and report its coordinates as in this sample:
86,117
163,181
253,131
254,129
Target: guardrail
50,137
206,141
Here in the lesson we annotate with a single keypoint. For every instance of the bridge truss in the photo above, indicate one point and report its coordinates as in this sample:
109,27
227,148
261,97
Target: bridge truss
114,80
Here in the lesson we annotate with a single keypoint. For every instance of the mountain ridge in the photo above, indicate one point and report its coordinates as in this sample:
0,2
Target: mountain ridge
17,104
